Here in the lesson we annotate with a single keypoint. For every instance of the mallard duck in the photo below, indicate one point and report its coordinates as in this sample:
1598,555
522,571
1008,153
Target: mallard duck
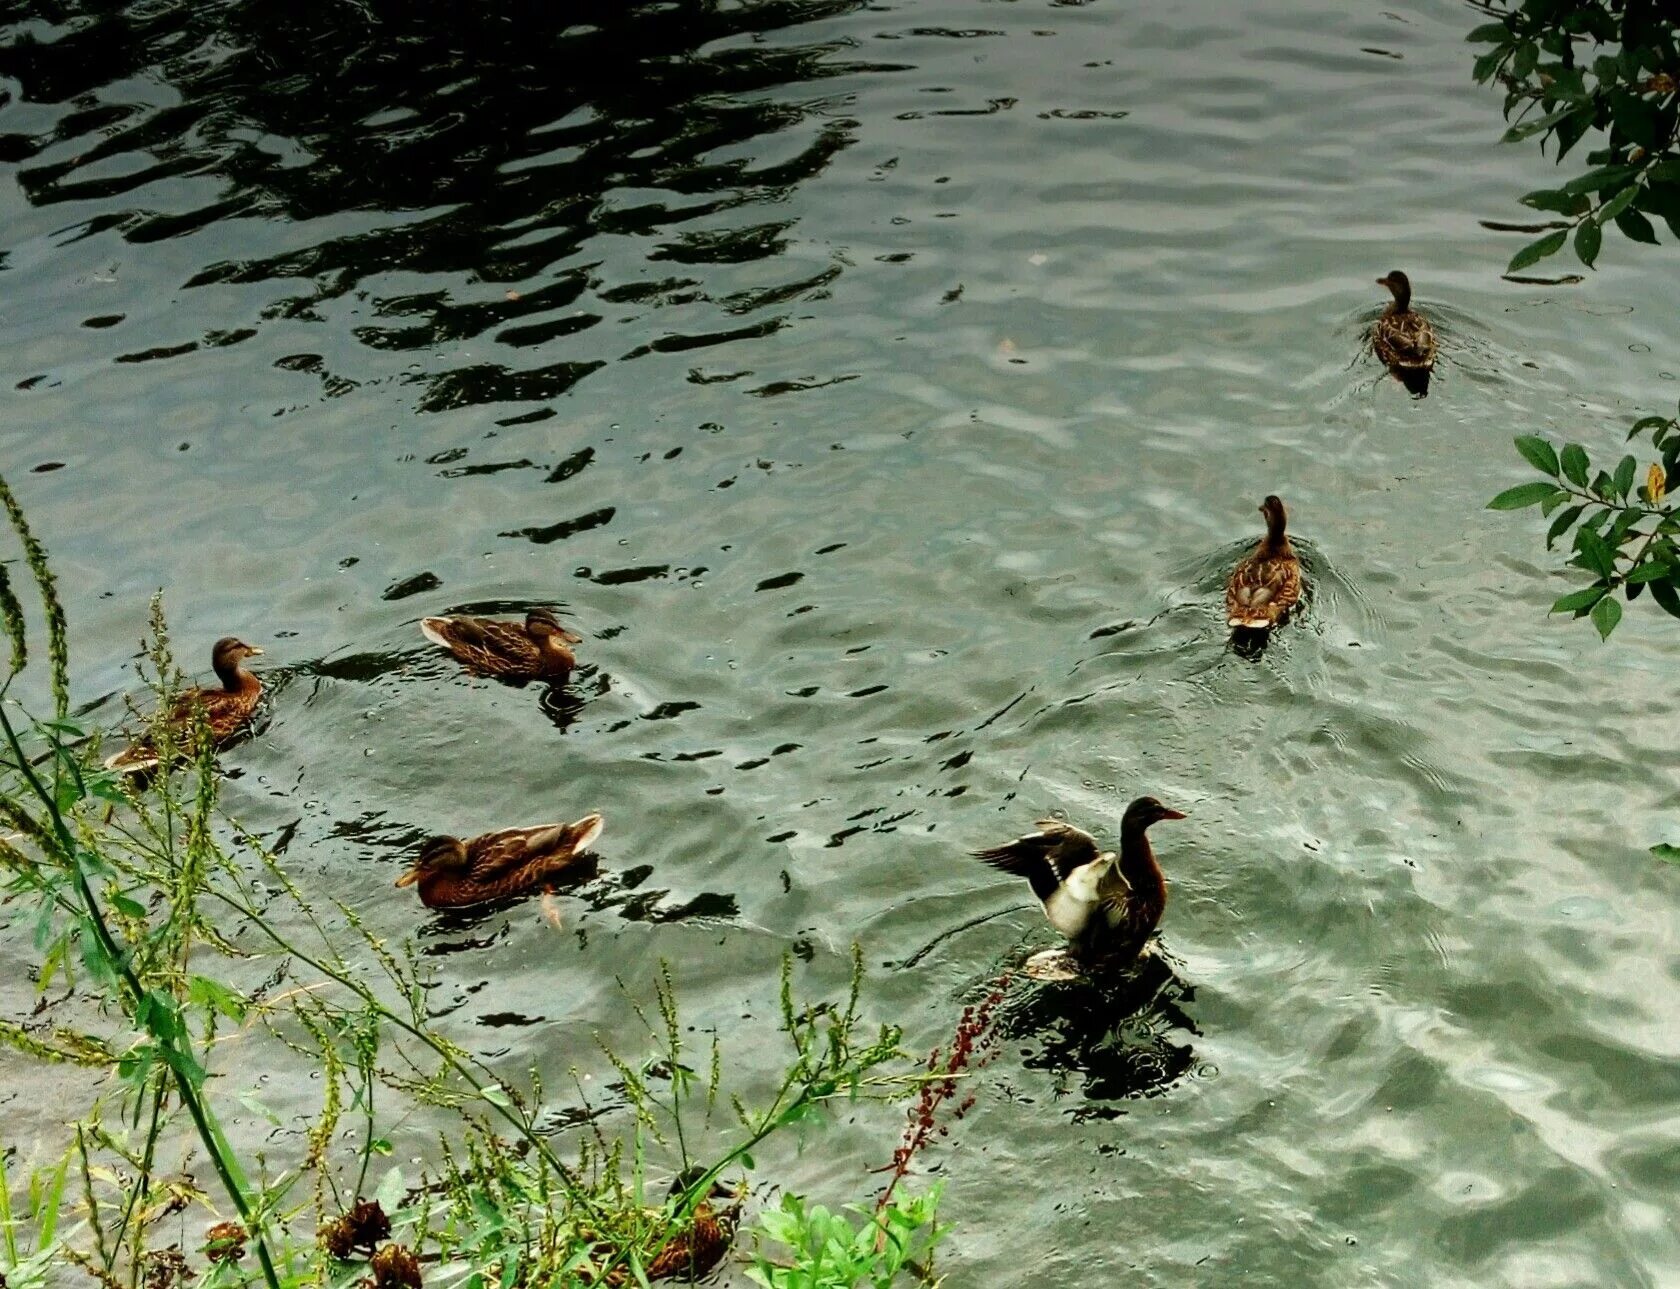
1403,338
453,874
1106,905
1266,584
540,649
225,711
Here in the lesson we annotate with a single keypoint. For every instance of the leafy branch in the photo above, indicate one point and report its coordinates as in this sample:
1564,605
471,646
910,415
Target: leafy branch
1592,65
1624,529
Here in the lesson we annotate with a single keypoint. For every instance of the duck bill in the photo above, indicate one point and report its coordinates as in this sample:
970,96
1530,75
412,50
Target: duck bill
252,649
408,878
1173,814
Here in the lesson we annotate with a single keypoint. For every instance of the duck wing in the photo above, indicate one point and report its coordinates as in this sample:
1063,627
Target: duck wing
502,648
1046,858
1262,590
1405,340
543,847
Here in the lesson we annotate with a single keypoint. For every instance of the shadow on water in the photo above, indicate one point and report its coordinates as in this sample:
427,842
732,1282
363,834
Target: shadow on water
1122,1036
411,139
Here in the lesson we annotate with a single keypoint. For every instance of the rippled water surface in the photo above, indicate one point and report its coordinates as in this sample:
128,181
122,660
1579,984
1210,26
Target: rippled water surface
882,390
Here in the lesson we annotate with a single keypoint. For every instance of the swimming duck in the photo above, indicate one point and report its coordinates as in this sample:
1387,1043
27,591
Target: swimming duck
225,711
1266,584
540,649
1403,338
1107,905
454,874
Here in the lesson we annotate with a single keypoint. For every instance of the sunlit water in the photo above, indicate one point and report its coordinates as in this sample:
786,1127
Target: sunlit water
883,390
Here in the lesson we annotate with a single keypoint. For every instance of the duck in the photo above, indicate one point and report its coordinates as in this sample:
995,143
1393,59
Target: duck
1403,338
1266,583
537,649
1106,905
225,712
502,865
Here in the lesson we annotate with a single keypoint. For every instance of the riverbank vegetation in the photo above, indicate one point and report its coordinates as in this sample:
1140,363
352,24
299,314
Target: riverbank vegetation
170,946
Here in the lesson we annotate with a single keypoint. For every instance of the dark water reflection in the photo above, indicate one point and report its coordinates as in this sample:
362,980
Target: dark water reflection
487,147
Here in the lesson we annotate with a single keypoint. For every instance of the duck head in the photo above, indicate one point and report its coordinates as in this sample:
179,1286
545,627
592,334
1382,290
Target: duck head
228,653
1146,811
439,855
544,627
1277,518
1400,285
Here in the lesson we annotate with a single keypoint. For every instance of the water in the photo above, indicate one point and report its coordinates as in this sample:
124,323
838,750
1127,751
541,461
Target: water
882,390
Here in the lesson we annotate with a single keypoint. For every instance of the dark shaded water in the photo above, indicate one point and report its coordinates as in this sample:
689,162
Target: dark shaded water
882,390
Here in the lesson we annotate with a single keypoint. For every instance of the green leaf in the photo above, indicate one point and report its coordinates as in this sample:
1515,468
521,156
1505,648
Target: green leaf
1524,494
1635,227
1537,250
1601,178
1647,423
1596,553
1495,31
1635,118
1668,854
1588,237
1605,615
1617,204
1578,602
1623,481
1523,61
496,1096
1538,453
1528,129
1652,570
1487,65
1558,201
1561,524
1667,597
1575,464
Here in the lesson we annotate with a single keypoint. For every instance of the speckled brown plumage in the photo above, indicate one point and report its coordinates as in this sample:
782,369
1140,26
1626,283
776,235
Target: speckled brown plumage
225,712
1266,584
503,865
690,1254
537,649
1402,337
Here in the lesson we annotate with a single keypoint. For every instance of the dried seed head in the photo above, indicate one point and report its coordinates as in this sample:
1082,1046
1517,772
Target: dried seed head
395,1267
225,1242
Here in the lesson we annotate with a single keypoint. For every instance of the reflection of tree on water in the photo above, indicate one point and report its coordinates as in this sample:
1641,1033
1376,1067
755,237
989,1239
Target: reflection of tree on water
492,144
1116,1033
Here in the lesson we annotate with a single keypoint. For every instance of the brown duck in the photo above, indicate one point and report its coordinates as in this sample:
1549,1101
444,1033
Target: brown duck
537,649
225,712
1266,584
1403,338
1107,905
503,865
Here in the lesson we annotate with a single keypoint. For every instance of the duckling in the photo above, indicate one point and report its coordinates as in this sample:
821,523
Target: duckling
1403,338
1107,905
1266,584
540,649
225,711
501,865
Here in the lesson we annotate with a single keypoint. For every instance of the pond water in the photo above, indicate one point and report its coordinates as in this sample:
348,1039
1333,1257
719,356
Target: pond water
882,391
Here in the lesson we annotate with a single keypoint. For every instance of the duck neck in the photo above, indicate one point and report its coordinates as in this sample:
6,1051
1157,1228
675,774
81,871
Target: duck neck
235,679
1140,868
1276,540
1402,301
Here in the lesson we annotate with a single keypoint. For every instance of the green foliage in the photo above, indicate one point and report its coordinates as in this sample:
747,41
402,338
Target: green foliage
1626,532
1604,67
139,893
826,1250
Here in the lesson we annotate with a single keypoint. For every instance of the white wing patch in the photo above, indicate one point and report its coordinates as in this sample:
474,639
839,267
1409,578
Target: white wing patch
1071,904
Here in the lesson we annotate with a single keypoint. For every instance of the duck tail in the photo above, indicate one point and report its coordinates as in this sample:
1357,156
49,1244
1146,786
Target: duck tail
435,630
580,836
